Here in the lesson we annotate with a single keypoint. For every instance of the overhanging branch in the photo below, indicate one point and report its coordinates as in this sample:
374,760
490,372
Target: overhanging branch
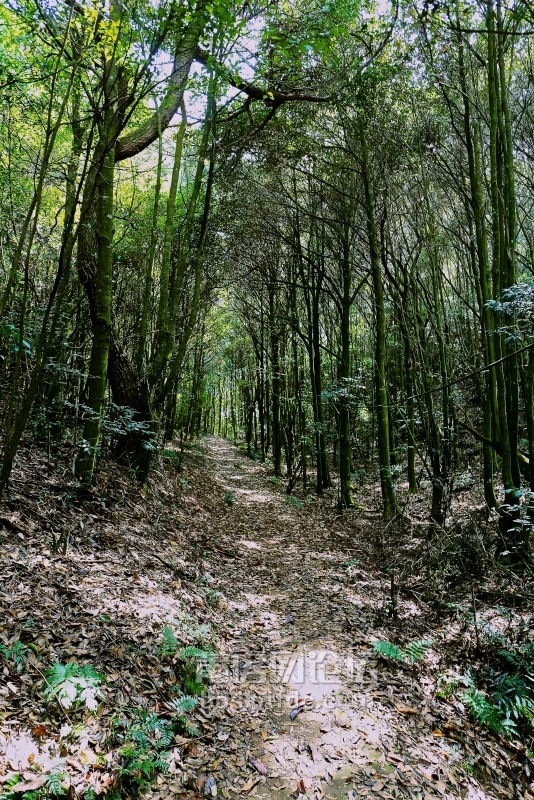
271,97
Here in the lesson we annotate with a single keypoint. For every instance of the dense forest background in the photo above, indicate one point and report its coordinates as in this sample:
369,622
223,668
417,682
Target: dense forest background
306,225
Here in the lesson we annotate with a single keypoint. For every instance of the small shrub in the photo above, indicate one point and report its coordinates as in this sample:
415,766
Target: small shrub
229,498
214,598
73,685
15,655
294,501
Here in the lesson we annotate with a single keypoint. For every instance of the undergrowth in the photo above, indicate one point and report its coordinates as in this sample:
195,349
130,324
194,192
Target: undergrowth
499,697
414,651
142,739
71,684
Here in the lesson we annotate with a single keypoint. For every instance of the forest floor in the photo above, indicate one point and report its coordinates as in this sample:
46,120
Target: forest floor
292,597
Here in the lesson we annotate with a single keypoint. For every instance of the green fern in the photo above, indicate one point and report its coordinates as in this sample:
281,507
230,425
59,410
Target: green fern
189,728
184,704
294,501
521,659
414,651
514,697
194,671
16,654
484,712
196,653
170,643
73,685
35,795
388,650
144,752
53,783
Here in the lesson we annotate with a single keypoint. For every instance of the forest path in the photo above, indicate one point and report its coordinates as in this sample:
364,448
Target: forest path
299,627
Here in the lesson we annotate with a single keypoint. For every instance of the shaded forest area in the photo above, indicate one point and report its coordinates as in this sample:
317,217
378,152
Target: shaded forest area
300,233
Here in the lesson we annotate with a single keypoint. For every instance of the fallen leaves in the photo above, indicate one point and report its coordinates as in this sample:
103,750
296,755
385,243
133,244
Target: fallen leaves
341,719
402,709
32,784
252,781
258,766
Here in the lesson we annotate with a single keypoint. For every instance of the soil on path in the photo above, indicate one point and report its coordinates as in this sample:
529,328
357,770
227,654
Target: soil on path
323,716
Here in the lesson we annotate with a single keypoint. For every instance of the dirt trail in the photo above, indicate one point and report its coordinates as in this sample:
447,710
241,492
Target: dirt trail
301,626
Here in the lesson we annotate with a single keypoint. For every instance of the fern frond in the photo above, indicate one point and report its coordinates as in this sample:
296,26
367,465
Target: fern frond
71,684
195,653
53,783
190,729
184,704
415,651
388,650
170,643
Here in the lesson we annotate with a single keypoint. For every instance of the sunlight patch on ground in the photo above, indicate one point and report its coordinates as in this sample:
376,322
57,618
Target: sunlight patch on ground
257,599
249,545
155,606
475,792
252,495
313,675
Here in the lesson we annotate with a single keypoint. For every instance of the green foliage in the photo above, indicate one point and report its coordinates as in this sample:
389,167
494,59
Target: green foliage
170,643
73,685
144,752
506,703
414,651
520,658
294,501
448,683
52,787
181,706
9,786
53,783
483,711
172,455
194,669
194,663
15,655
388,650
514,696
214,598
229,498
